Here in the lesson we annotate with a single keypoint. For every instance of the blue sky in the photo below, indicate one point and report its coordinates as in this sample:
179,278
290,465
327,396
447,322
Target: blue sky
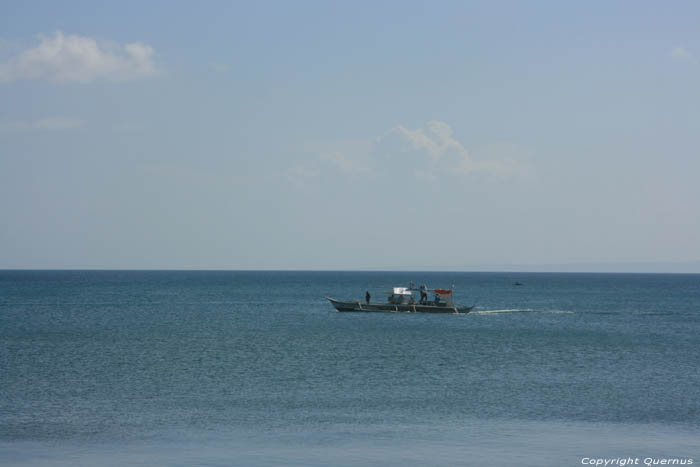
361,135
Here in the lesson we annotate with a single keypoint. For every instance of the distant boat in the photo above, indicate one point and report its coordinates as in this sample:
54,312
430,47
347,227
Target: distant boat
402,300
517,283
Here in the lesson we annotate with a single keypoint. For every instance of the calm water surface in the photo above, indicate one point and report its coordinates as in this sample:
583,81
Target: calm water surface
255,368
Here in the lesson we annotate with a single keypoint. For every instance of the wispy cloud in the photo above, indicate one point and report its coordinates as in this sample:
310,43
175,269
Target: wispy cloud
681,53
433,151
50,123
347,156
72,58
341,161
425,154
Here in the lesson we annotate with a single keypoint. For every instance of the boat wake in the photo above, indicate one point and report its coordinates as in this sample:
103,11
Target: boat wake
518,310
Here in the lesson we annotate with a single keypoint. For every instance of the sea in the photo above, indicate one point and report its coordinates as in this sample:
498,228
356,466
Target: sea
256,368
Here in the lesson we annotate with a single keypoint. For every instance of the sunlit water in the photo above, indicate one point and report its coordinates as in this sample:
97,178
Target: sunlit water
256,368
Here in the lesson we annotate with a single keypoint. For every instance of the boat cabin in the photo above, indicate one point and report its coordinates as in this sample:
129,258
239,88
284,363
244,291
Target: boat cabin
444,296
402,296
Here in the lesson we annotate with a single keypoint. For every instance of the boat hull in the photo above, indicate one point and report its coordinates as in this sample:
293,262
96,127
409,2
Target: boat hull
358,306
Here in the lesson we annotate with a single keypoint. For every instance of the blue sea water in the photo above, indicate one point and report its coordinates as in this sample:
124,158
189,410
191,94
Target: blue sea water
256,368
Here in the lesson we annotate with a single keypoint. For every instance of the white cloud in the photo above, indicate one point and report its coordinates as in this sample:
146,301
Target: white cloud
349,156
424,154
72,58
680,53
433,150
49,123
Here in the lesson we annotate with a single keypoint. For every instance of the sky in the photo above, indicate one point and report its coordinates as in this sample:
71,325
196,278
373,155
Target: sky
350,135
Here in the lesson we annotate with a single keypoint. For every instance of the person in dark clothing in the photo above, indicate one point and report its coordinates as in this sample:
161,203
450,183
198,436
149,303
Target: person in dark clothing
367,296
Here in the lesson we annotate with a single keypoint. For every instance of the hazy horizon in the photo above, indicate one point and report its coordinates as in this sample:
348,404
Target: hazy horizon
692,267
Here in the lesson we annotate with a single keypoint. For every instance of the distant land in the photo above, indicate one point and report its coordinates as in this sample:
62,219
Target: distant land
691,267
688,267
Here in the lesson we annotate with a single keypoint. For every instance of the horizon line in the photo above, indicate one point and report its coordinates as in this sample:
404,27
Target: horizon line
388,270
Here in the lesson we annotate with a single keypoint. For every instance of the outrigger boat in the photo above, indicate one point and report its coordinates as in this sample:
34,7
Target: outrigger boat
402,300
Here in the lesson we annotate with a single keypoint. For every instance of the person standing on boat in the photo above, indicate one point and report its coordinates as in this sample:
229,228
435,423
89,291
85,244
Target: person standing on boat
423,294
367,296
